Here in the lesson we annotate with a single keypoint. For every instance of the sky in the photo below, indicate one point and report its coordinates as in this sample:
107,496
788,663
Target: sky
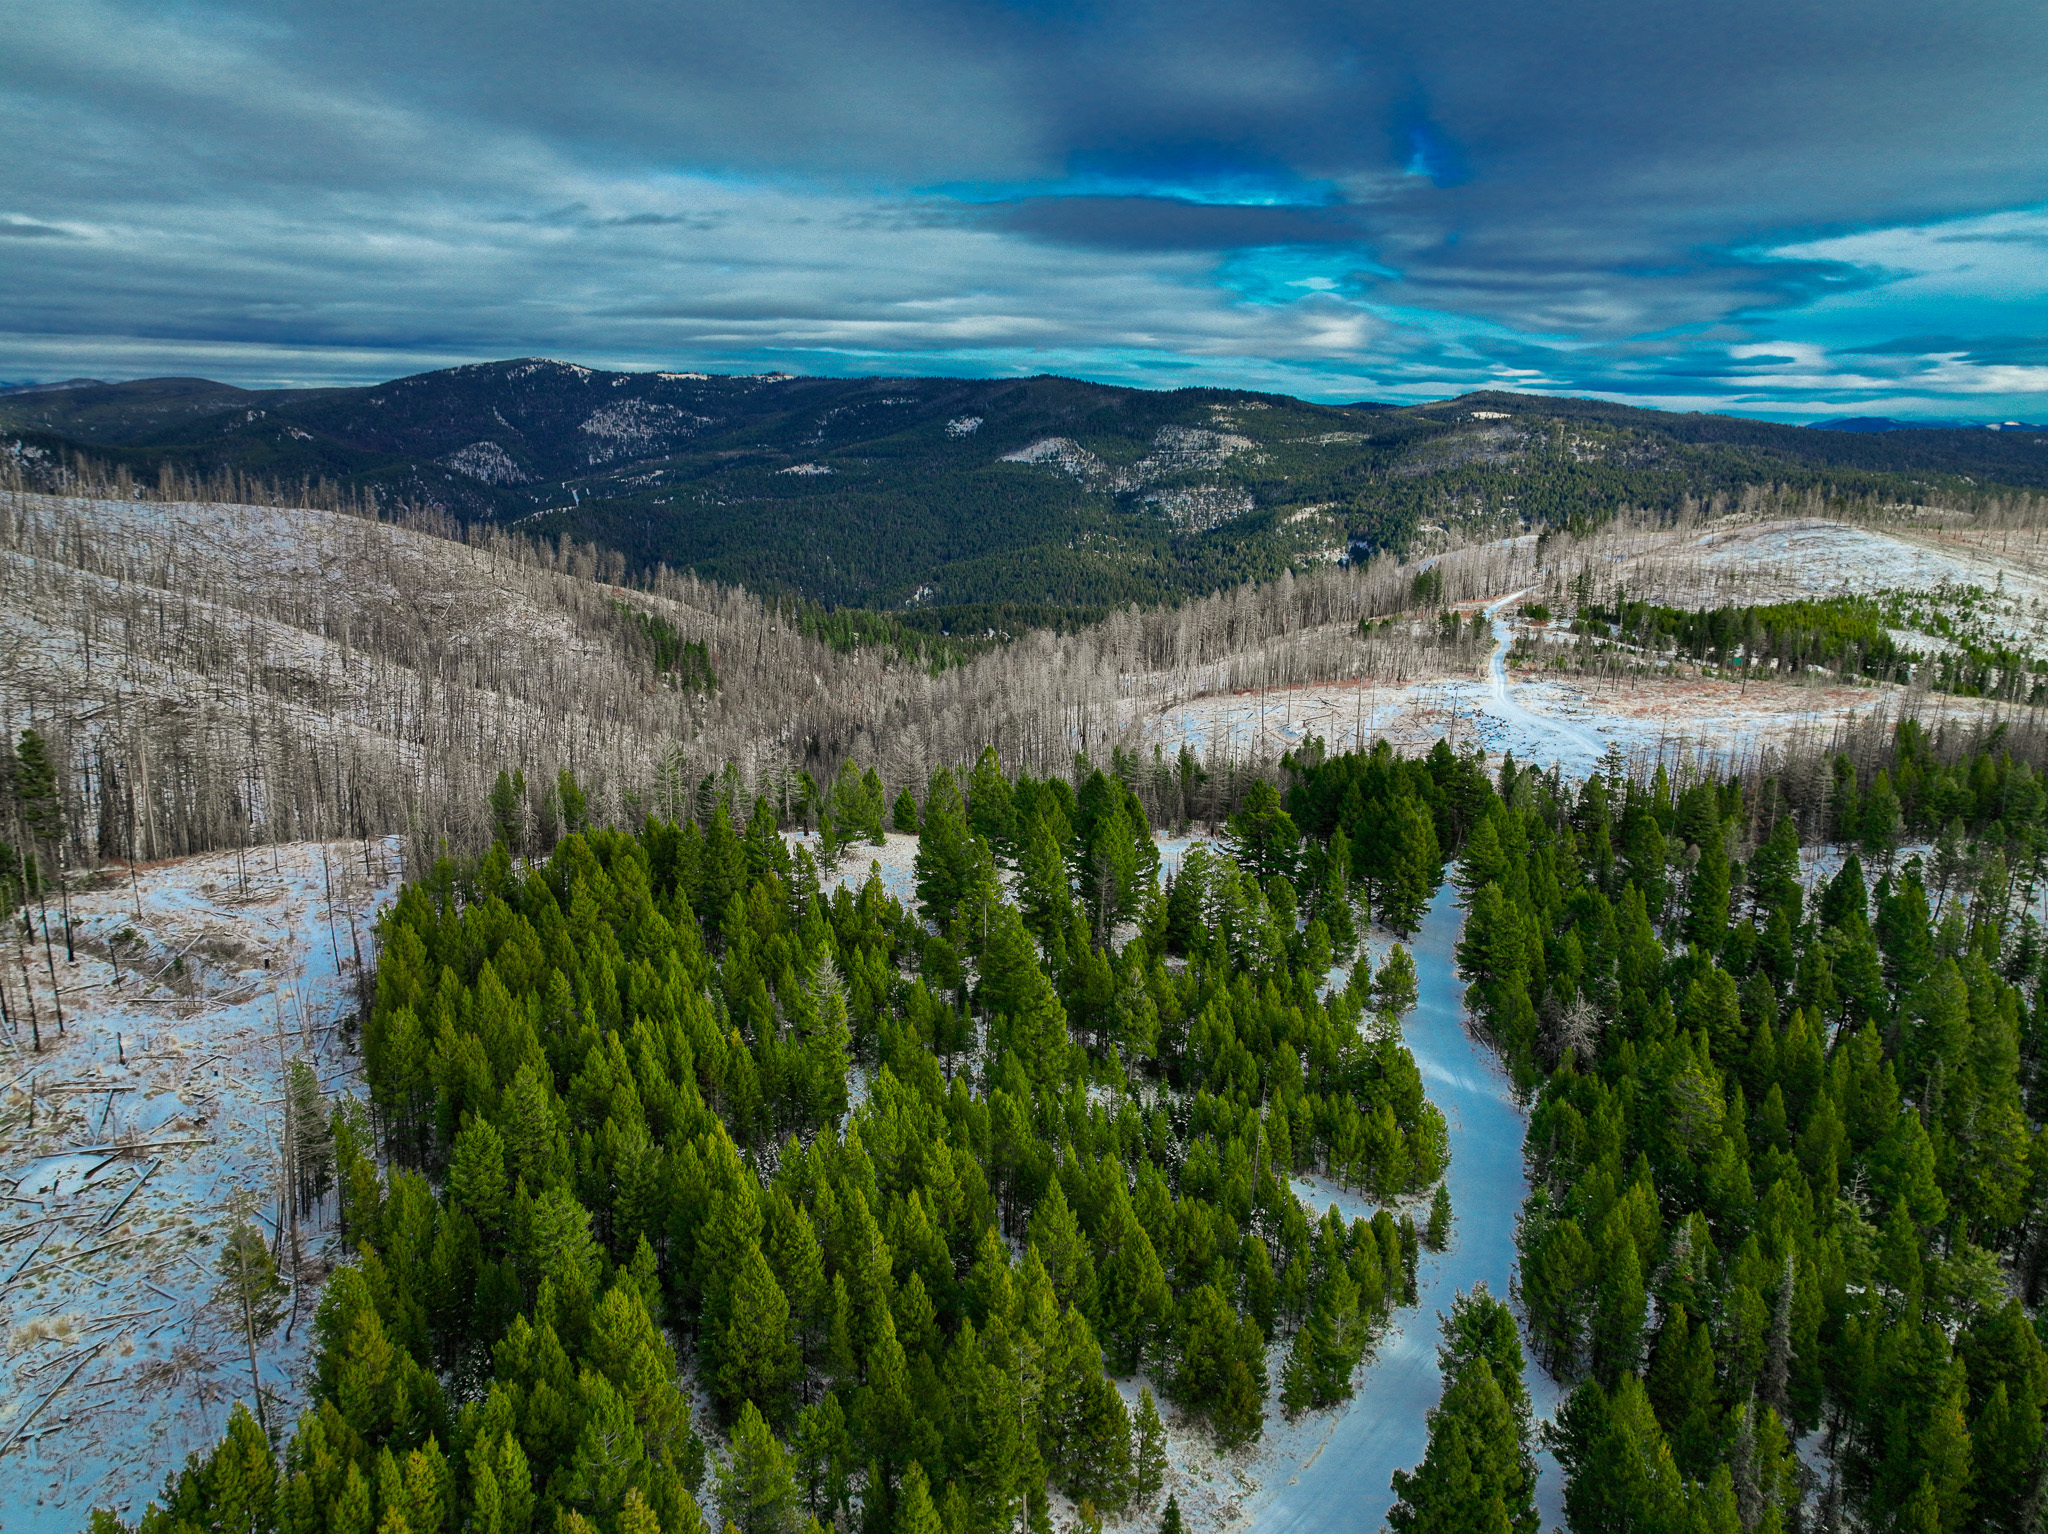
1797,210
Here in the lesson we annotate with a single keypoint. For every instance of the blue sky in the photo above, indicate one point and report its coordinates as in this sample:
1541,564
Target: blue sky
1769,208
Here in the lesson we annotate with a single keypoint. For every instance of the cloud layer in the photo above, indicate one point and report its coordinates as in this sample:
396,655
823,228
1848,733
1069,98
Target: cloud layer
1741,206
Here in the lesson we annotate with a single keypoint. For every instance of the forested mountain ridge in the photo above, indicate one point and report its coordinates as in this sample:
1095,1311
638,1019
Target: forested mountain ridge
1045,493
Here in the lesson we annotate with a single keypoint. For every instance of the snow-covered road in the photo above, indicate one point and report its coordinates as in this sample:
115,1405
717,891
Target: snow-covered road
1567,742
1344,1483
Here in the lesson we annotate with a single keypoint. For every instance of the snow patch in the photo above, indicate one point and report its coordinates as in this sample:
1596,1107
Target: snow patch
1197,508
548,365
635,427
1062,453
488,462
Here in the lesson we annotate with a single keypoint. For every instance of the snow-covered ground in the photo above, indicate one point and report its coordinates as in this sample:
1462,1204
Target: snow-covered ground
895,860
1782,561
124,1140
1541,716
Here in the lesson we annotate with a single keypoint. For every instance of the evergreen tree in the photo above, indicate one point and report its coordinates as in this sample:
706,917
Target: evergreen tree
1394,988
575,807
758,1360
1221,1373
1262,835
756,1485
915,1512
945,852
1438,1235
1413,866
1085,1432
508,824
1027,1018
1043,886
991,805
251,1292
1148,1457
233,1488
1471,1479
476,1174
1619,1474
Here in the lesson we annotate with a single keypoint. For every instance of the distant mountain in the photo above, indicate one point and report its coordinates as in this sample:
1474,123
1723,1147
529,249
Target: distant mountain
1043,495
42,388
1884,423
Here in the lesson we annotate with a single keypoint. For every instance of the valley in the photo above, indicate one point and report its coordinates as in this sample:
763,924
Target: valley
541,875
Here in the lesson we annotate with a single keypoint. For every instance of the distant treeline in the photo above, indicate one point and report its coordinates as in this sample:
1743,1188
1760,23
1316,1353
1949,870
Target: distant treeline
1847,635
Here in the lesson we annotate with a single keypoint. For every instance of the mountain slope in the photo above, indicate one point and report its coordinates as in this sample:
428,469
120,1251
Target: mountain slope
1044,493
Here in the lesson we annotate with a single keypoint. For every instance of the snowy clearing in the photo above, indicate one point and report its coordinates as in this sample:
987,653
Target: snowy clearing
1742,562
1542,717
123,1141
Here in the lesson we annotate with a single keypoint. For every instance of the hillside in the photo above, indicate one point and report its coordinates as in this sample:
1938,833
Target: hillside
971,503
220,676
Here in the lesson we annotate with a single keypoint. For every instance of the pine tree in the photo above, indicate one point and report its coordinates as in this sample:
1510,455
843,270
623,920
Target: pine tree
758,1360
1706,921
2007,1441
1028,1017
944,852
507,821
575,807
756,1486
884,1415
1221,1372
991,807
476,1174
233,1488
1133,1299
1438,1235
1471,1477
1618,1310
1262,835
1084,1430
1148,1458
1413,866
1774,872
1056,1235
823,1449
1619,1473
1394,988
251,1292
915,1513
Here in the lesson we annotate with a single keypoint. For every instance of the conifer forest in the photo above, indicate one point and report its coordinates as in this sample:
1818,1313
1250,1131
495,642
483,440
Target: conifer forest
1040,767
784,1079
656,1090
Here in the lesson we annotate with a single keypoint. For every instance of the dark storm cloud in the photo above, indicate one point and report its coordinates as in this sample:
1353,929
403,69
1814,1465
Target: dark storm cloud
1170,223
1416,196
